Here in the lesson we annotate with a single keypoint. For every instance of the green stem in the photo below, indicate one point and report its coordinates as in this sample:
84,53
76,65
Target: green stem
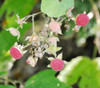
94,52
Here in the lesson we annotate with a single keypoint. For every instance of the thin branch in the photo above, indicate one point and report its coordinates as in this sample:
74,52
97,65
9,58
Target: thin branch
96,11
33,23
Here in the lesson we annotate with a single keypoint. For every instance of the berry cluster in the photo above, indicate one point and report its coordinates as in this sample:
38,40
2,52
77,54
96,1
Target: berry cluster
45,41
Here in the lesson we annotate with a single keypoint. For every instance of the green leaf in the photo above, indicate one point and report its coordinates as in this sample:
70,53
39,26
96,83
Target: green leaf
81,72
6,86
4,60
3,73
8,40
12,7
55,8
97,62
45,79
85,6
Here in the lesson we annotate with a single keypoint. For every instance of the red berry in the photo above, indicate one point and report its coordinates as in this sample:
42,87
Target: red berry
57,64
54,26
82,20
15,53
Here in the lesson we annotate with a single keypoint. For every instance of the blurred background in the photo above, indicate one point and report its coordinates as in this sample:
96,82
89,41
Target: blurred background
81,49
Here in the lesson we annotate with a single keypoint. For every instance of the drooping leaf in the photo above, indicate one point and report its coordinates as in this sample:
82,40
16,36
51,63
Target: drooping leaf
3,73
56,8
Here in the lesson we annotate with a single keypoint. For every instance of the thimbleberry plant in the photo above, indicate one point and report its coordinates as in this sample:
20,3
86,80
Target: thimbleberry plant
46,41
54,26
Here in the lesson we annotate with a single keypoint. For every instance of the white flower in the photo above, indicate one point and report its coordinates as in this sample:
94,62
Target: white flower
32,38
53,40
76,28
51,58
69,13
20,48
39,53
20,21
32,61
60,56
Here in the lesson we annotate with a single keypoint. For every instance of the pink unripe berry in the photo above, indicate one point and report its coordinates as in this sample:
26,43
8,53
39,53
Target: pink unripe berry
54,26
15,53
53,40
57,64
14,32
82,20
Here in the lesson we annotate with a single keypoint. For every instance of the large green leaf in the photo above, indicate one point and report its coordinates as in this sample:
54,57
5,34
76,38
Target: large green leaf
45,79
82,73
7,40
6,86
4,63
12,7
3,73
97,62
56,8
